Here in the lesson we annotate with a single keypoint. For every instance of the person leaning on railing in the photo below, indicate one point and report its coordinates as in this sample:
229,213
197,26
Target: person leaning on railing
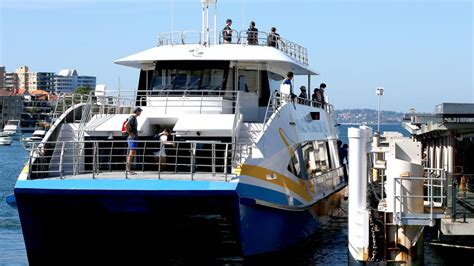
273,38
252,34
160,155
302,97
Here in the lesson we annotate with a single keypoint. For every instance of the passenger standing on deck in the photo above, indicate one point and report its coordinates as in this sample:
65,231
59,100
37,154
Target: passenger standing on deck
314,97
317,98
132,130
343,157
321,90
227,31
273,38
252,34
160,155
302,98
286,88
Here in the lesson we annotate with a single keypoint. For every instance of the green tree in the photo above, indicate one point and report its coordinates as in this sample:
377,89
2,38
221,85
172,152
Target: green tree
83,90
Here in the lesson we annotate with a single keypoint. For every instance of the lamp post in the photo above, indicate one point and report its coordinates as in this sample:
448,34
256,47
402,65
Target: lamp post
379,91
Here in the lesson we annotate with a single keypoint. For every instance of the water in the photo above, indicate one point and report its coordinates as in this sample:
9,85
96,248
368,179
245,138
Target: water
12,247
342,130
327,247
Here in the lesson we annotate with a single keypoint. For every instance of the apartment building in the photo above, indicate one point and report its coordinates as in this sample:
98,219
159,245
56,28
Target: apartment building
67,80
11,107
2,77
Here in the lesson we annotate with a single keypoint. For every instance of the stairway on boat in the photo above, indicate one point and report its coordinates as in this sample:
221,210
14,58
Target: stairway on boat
68,135
248,136
97,120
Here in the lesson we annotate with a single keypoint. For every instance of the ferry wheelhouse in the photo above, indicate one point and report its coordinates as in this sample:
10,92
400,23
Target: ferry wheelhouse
251,172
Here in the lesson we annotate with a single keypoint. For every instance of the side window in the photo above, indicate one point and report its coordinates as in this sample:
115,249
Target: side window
294,164
248,81
309,158
321,156
328,156
297,164
334,154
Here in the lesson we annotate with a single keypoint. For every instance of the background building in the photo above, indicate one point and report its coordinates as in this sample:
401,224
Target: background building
11,81
2,77
11,107
23,77
67,81
41,81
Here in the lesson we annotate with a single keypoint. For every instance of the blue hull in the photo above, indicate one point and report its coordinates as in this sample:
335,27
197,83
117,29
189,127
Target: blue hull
66,221
267,230
87,226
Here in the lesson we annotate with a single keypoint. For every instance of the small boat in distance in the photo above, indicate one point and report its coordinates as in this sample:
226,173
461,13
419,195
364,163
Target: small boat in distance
36,137
5,139
13,129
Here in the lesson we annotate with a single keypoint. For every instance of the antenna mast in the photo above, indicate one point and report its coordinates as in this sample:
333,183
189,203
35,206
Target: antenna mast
205,33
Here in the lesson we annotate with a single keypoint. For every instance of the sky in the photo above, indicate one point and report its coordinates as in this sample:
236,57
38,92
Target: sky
419,51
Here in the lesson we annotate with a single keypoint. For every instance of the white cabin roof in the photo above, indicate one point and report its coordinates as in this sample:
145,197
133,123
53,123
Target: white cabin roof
224,52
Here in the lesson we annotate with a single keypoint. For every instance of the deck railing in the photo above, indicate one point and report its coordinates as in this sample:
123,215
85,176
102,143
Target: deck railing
101,158
433,193
293,50
197,101
462,191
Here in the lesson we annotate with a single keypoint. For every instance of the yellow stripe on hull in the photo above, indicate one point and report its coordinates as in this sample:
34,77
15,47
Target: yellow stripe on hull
278,179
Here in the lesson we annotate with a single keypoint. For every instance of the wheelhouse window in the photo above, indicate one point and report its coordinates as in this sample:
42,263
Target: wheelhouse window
274,81
184,75
294,166
321,155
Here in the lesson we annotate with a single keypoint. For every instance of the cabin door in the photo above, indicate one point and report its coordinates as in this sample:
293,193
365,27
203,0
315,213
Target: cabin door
248,86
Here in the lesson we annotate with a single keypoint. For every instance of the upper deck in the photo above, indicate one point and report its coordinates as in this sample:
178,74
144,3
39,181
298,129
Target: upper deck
189,45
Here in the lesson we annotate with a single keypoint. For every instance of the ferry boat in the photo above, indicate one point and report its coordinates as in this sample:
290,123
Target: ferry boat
250,172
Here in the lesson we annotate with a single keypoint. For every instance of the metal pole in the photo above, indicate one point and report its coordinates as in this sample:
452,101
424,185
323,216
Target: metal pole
94,160
379,91
225,161
61,162
213,160
215,23
378,115
193,148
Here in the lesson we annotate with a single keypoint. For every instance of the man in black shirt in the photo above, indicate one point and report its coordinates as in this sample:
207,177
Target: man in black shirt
273,38
252,34
132,131
227,31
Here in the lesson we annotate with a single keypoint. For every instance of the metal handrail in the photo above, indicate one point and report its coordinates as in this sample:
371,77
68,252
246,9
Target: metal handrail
431,197
104,156
458,195
293,50
202,100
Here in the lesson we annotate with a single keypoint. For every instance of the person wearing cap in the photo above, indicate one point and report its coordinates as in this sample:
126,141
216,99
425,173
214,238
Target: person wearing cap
227,31
302,98
132,130
252,34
